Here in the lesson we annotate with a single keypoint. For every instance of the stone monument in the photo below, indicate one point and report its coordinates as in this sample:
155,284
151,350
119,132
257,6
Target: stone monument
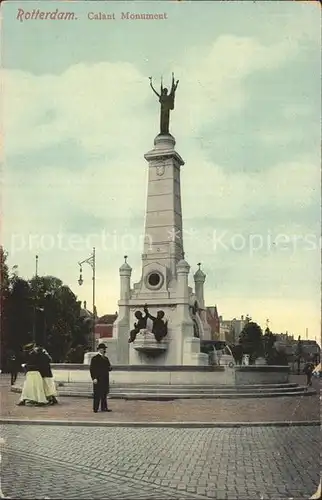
155,348
161,319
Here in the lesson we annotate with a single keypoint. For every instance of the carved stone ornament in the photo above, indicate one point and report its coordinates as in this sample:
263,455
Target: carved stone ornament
160,169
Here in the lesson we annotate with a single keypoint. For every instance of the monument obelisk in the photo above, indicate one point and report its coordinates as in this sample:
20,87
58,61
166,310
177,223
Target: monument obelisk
163,222
162,293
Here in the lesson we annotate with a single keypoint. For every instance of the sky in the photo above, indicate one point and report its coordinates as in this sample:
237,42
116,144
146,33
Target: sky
78,116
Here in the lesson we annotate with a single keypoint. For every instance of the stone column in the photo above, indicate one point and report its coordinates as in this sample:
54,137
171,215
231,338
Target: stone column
183,322
121,327
183,269
199,279
125,280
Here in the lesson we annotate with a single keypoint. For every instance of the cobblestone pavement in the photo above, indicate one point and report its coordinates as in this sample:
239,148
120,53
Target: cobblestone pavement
136,463
295,408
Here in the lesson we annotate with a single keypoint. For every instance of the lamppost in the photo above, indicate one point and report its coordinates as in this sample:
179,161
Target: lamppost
48,296
35,300
91,260
36,273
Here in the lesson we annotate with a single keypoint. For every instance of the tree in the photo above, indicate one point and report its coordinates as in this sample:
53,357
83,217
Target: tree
76,354
278,357
58,323
42,309
269,340
4,272
251,339
230,336
16,314
20,314
237,350
4,293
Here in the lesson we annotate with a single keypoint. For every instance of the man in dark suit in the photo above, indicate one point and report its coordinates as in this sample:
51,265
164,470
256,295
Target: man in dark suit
100,368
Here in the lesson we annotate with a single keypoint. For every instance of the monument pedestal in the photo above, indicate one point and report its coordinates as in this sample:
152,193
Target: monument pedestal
192,354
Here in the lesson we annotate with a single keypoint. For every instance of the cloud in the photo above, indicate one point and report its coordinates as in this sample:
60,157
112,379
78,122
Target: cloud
98,105
214,80
105,111
92,104
74,146
281,187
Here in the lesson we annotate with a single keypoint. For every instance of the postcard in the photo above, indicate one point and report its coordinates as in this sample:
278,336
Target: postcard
160,255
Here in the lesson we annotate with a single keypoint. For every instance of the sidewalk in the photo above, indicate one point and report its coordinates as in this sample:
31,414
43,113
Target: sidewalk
281,409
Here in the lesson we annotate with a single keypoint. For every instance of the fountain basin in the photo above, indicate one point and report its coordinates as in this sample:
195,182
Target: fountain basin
145,343
172,375
261,374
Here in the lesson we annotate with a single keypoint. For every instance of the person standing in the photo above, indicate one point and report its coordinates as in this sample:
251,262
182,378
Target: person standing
100,368
13,368
33,387
47,376
308,370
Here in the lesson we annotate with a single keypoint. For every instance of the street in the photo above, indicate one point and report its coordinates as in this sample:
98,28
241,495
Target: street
159,463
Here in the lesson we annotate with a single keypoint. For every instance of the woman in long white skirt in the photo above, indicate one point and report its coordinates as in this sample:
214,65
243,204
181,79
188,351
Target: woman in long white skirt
33,387
50,389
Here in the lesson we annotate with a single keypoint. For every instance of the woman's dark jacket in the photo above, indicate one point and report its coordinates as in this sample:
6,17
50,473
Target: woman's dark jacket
44,365
32,362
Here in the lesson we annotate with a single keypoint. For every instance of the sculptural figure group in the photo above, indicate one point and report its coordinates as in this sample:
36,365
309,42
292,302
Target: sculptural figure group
159,328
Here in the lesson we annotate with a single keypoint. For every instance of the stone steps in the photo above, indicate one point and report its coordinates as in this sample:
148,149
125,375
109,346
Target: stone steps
182,389
191,386
168,392
173,396
187,387
179,391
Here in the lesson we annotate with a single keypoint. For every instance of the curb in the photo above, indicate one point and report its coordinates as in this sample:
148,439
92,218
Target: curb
98,423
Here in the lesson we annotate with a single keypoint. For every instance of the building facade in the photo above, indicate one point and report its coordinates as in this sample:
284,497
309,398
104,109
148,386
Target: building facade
104,327
230,330
213,322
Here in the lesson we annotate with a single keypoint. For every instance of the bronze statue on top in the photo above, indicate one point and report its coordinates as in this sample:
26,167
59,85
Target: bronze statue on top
167,103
